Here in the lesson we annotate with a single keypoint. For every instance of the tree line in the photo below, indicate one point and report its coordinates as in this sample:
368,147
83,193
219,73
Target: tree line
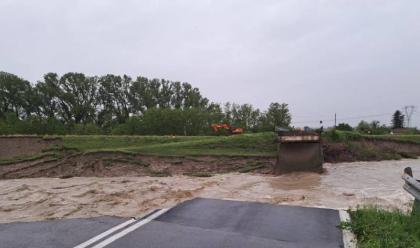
75,103
375,127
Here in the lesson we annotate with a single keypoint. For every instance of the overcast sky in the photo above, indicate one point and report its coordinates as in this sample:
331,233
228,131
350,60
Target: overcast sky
355,58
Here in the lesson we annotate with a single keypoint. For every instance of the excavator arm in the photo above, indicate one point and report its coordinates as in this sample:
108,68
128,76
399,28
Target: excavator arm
232,130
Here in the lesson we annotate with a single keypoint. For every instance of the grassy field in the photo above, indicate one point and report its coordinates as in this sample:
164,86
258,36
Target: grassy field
375,228
343,136
257,144
261,144
402,137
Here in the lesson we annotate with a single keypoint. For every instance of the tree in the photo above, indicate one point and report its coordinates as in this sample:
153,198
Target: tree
248,117
344,127
192,97
397,120
374,127
113,97
214,115
77,96
165,94
16,95
277,115
144,94
47,96
177,95
244,116
76,103
363,127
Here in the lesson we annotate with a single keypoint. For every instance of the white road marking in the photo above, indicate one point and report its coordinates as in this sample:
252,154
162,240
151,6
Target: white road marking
349,239
130,229
106,233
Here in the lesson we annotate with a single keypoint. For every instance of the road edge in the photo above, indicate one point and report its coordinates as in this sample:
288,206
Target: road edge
349,239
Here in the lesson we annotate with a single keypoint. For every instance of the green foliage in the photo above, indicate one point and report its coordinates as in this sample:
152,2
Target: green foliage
78,104
15,95
133,126
373,127
11,124
261,144
277,115
415,138
397,120
376,228
86,129
344,127
244,116
341,136
113,96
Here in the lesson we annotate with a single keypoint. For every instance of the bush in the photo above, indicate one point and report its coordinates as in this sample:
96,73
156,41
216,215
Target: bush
344,127
373,127
133,126
86,129
341,136
11,124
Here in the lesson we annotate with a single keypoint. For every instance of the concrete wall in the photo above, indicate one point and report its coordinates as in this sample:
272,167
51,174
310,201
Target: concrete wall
299,156
17,146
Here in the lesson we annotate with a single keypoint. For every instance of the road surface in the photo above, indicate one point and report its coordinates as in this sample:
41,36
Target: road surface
195,223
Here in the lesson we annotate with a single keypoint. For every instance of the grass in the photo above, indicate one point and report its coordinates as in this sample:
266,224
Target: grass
412,138
376,228
345,136
261,144
341,136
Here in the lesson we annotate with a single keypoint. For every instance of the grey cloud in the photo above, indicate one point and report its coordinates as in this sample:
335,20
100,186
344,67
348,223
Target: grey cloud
355,58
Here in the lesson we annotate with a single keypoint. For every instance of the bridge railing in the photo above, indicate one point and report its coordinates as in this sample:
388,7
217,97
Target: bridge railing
412,186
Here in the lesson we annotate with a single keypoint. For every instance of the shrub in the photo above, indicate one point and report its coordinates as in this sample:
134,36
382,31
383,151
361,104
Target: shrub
344,127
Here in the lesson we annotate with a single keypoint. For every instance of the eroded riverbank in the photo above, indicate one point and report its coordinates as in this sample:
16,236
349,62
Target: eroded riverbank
343,185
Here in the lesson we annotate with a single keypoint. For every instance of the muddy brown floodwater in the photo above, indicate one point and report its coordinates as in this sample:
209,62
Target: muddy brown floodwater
343,185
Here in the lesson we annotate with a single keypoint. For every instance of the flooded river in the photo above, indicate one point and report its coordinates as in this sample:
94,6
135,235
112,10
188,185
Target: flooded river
342,185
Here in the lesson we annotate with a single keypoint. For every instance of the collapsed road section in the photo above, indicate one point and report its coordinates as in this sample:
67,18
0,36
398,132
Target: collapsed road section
195,223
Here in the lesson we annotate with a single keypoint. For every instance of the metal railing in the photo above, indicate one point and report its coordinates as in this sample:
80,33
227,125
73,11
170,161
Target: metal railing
412,186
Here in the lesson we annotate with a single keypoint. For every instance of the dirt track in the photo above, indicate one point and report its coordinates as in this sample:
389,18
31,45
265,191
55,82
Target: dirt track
343,185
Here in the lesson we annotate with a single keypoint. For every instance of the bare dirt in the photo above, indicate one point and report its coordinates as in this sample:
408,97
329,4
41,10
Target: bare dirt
343,185
119,164
369,150
114,164
16,146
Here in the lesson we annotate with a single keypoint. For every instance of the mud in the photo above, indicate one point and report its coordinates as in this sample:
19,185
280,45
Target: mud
343,185
369,150
117,165
16,146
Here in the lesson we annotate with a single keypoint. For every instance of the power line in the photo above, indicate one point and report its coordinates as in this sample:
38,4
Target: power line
345,118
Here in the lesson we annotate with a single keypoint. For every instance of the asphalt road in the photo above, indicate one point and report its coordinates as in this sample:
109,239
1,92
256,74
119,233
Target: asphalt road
195,223
54,233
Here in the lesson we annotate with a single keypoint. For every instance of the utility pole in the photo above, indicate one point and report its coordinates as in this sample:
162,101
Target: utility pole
335,120
408,110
